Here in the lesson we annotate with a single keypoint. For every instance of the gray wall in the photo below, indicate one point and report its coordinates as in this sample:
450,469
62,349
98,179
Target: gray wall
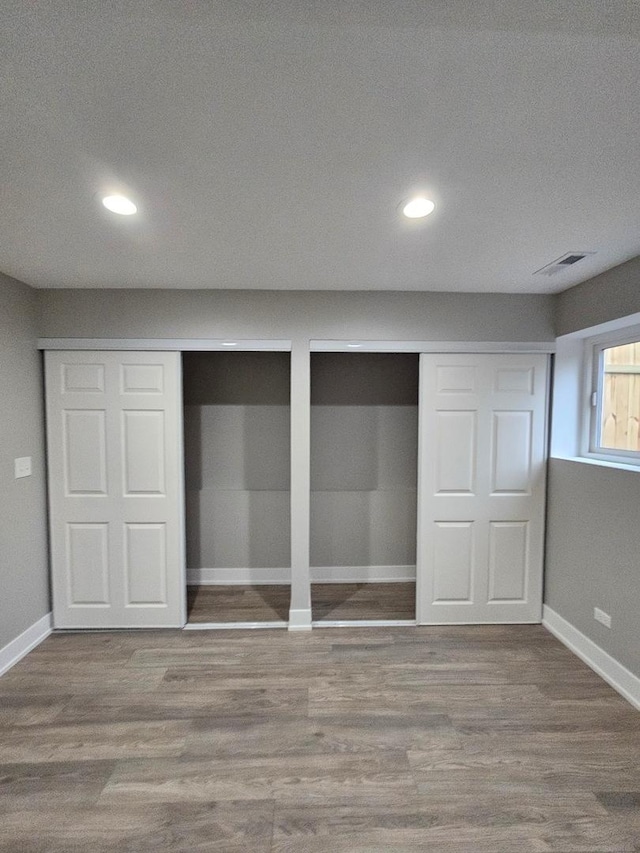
609,296
593,553
298,316
24,583
282,314
364,457
593,534
237,459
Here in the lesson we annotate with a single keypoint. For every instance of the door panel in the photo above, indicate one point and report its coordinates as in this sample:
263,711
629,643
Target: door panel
453,561
143,453
508,560
455,451
142,378
511,434
482,488
145,564
85,456
88,556
116,489
87,378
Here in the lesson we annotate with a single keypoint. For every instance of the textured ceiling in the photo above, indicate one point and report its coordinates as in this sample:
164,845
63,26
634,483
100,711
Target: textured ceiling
268,145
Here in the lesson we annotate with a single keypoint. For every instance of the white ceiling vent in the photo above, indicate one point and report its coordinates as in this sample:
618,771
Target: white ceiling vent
563,263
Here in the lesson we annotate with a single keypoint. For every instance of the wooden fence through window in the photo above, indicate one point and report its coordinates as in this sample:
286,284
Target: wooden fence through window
621,398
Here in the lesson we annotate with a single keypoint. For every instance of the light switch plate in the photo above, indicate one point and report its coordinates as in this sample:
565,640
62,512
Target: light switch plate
22,467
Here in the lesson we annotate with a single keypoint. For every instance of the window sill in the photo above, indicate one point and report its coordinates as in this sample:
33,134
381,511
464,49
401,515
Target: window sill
599,463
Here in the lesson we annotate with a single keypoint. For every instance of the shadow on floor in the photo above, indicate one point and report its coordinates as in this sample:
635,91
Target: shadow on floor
352,601
231,603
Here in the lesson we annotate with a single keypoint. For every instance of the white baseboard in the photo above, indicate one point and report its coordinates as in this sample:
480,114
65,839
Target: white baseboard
240,577
319,574
223,626
607,667
362,574
300,620
364,623
25,642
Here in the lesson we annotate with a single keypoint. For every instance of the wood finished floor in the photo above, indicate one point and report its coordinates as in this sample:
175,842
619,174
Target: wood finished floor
350,601
230,603
473,740
329,601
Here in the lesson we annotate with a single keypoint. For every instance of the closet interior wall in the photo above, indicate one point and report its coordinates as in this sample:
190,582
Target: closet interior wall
237,484
364,445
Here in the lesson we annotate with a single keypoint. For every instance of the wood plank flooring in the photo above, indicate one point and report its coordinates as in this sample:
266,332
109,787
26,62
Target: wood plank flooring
474,740
230,603
329,602
351,601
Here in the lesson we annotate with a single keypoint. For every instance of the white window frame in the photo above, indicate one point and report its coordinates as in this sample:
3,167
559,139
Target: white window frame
594,380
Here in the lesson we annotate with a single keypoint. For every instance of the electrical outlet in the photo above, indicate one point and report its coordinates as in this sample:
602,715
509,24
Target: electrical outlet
602,617
22,467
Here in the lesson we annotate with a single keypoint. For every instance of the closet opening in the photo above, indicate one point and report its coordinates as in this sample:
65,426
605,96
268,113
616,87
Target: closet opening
237,488
364,462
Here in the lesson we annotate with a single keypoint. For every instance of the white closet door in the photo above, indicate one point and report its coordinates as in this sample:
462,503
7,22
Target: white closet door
481,488
114,433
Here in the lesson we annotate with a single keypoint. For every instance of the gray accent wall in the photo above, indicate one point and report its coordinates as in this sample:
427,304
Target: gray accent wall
593,529
295,314
606,297
364,457
593,553
237,459
24,571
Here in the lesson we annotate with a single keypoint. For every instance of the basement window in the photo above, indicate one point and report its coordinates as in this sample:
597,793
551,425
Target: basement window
614,410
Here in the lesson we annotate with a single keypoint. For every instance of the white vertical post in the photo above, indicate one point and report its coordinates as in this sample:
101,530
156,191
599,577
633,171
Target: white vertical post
300,607
421,544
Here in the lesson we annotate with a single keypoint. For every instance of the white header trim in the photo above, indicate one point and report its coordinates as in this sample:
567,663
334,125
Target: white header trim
229,344
356,345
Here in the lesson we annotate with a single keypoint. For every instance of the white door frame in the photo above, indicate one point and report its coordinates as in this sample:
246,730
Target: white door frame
418,347
245,345
230,344
300,450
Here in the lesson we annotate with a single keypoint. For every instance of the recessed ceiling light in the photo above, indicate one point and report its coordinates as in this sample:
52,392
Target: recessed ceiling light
119,204
229,344
418,207
354,346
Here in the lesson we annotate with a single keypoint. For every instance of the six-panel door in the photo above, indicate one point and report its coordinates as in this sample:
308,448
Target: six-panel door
114,433
481,488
